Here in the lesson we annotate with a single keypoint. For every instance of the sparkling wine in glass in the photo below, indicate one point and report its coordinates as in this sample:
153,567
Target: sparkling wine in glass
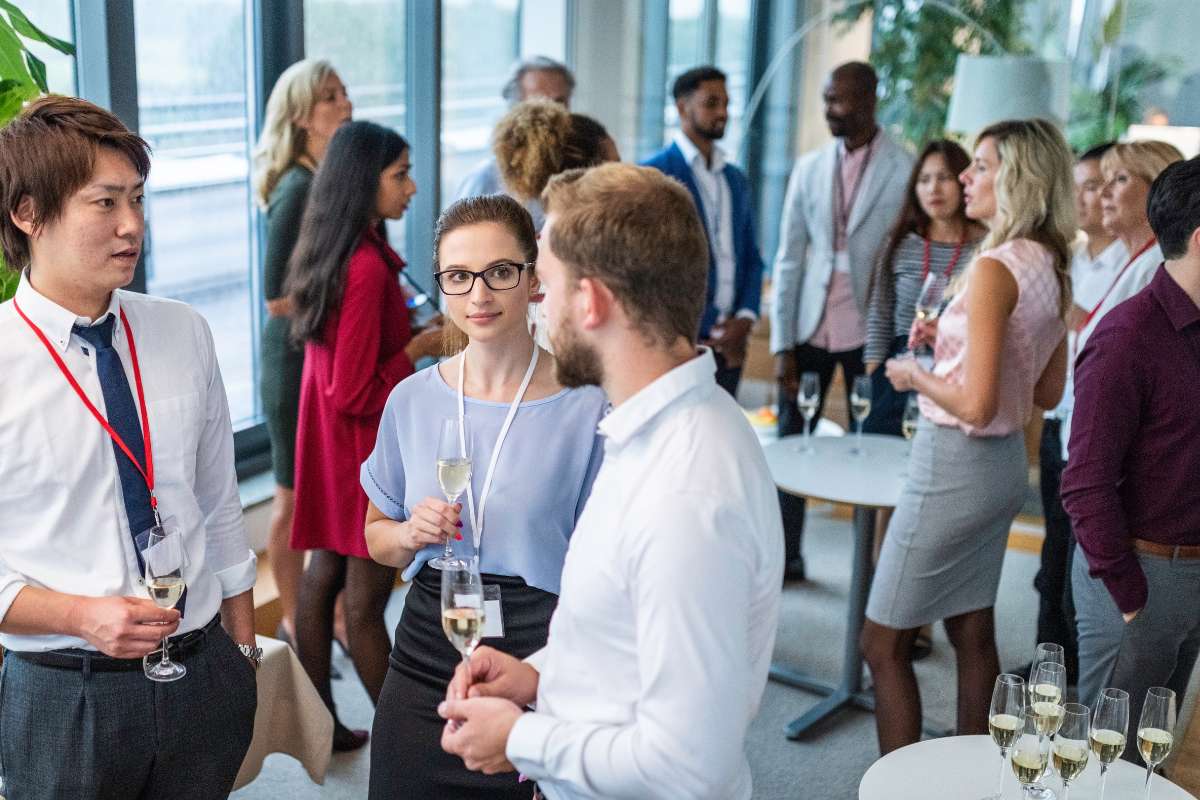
1110,721
1156,729
912,416
1005,720
1047,691
453,472
1070,752
929,306
462,606
164,560
808,399
860,407
1031,754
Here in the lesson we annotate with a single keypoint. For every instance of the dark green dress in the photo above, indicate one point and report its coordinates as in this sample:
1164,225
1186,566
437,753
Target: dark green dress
282,363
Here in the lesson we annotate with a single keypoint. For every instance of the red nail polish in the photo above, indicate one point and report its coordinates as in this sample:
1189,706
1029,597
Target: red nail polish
458,524
458,537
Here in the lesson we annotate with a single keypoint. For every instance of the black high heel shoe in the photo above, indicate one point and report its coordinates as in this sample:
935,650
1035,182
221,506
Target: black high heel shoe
346,740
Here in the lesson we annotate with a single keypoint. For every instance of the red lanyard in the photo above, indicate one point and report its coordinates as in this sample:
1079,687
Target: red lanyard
953,259
148,472
1091,314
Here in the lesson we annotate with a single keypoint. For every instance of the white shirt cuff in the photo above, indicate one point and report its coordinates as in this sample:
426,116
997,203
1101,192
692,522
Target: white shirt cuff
746,313
526,745
238,578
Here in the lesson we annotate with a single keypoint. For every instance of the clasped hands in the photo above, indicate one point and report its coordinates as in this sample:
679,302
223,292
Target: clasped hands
480,709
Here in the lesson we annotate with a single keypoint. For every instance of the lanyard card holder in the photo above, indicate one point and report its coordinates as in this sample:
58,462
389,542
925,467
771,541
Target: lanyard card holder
493,616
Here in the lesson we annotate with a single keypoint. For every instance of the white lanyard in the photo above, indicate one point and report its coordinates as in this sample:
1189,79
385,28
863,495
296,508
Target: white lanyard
477,517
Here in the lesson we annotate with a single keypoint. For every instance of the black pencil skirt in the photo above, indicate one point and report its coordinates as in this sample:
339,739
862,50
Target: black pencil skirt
407,760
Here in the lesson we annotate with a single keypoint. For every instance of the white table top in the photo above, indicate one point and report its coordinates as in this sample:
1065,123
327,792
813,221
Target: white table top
965,768
834,472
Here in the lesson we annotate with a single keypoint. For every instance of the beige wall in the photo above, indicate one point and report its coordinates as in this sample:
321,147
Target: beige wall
824,48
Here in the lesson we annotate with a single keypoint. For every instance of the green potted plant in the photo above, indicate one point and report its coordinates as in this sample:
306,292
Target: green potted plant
22,78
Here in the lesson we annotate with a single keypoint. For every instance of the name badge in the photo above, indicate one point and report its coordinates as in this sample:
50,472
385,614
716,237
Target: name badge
841,261
493,617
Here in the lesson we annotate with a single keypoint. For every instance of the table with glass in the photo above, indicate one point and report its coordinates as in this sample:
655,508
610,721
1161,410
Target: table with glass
965,767
832,470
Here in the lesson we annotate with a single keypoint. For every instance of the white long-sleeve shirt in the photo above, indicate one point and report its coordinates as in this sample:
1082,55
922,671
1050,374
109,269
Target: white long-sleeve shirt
660,645
63,525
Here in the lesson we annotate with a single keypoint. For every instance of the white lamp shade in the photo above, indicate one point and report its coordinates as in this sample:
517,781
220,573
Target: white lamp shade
989,89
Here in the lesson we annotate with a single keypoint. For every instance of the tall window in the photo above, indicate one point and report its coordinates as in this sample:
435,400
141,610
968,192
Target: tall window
733,58
684,51
52,17
479,46
191,65
364,40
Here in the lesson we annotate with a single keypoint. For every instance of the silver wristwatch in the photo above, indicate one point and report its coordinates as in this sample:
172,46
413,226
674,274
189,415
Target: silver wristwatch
255,654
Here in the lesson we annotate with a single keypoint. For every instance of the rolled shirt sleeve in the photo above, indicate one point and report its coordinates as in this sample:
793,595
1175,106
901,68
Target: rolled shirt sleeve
693,605
1108,402
11,584
228,552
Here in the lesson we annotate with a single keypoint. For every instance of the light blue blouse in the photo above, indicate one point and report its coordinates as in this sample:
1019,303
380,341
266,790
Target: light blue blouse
542,480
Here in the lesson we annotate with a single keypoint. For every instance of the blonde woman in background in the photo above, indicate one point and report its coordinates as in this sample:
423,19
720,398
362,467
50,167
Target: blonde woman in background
1000,349
306,107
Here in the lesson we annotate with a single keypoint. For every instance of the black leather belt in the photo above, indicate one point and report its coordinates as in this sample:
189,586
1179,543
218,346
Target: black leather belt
81,660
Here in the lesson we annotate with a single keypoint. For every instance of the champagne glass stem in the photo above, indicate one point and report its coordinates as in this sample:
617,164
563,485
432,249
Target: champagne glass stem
163,660
1000,778
1103,779
858,438
467,664
448,548
1149,776
1066,795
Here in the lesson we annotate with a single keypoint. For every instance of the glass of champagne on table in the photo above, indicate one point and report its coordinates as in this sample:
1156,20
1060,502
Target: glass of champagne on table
1031,754
462,606
860,407
1005,720
1110,721
807,400
1070,752
453,471
1047,690
1156,729
164,560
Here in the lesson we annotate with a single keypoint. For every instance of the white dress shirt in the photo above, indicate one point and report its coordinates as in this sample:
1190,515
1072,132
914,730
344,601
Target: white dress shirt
1133,279
659,648
63,525
718,220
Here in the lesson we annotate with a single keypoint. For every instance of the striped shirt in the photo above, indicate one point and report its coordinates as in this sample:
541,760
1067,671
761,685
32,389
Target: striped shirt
896,291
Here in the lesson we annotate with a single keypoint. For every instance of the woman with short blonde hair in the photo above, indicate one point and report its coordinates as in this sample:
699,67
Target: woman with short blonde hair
1000,349
307,105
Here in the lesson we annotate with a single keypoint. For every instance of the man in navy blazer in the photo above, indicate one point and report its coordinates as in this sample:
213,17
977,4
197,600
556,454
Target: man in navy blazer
722,195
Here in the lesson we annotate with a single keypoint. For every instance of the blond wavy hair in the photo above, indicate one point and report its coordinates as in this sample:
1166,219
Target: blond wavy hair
1035,193
282,142
528,144
1143,159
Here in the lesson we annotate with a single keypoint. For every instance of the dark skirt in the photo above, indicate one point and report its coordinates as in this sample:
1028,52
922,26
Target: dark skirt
887,405
407,760
282,365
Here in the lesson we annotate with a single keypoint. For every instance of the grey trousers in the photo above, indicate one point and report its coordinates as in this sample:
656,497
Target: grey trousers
86,735
1159,648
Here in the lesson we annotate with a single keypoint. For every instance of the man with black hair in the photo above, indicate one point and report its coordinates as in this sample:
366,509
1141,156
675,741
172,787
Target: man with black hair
1131,483
722,195
841,202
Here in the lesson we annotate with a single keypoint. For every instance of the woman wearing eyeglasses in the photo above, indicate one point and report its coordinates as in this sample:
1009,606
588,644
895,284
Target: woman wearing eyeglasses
484,251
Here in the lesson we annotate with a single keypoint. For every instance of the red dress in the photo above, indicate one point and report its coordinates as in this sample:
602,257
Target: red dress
348,374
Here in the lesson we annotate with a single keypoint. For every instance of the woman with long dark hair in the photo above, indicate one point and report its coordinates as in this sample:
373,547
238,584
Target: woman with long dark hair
350,313
542,470
932,235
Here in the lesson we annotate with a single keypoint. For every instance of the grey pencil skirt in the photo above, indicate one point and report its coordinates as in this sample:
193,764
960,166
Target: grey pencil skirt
945,544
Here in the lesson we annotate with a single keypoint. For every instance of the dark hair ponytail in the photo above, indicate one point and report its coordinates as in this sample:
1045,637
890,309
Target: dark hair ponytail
340,207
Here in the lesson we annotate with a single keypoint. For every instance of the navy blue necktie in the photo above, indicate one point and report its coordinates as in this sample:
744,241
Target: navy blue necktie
121,410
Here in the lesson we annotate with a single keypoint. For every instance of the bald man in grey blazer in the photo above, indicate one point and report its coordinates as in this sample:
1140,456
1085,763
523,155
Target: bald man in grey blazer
842,200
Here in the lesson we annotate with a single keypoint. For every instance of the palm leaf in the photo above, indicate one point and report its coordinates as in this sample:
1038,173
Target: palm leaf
23,26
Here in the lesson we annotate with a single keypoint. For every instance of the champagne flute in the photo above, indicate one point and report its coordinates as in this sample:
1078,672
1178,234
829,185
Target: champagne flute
1005,720
453,472
912,416
808,399
1031,755
462,606
1070,753
163,558
1046,692
1156,729
929,304
860,407
1110,721
1046,652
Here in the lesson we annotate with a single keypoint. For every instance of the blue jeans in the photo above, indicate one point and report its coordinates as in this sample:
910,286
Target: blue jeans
82,735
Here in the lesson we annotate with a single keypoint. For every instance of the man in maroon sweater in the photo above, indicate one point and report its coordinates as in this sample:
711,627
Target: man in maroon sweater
1132,484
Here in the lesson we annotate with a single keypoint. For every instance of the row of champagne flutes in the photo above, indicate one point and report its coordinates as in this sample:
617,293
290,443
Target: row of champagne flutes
1036,730
809,400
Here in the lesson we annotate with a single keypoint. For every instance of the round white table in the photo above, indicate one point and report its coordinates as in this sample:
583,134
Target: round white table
965,768
871,480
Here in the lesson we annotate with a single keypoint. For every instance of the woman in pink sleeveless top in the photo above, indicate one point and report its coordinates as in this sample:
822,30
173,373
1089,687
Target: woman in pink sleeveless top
1000,349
